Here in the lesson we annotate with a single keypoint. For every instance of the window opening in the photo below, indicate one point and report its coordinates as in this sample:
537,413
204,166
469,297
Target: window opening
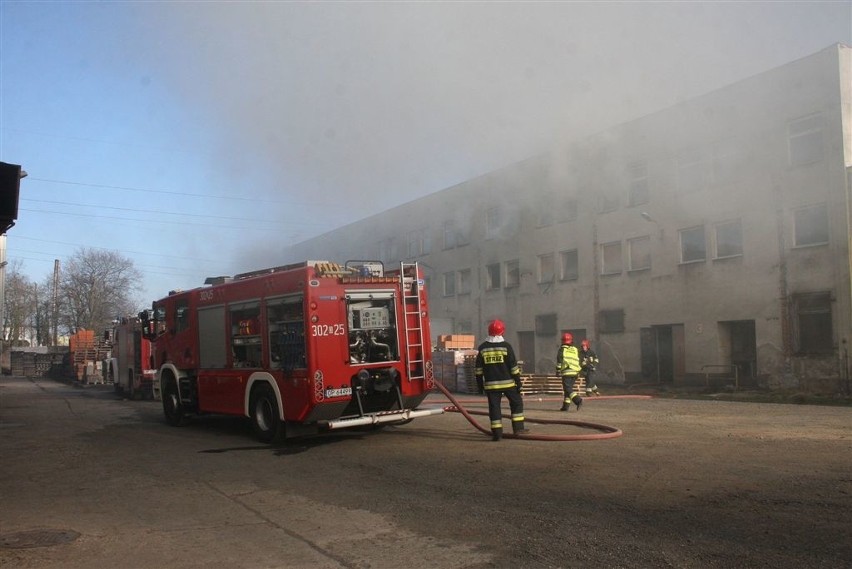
805,140
181,315
811,225
611,258
492,277
246,346
513,274
729,239
286,317
692,245
569,266
639,252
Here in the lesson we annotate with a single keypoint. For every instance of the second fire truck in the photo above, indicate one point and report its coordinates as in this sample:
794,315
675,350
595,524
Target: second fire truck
297,349
130,365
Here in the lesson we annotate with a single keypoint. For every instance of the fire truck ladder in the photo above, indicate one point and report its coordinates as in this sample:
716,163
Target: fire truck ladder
409,277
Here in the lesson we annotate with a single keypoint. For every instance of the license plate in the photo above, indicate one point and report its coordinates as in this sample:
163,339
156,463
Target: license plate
338,392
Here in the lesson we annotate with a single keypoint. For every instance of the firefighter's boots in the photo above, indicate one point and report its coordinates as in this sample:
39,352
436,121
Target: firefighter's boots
572,397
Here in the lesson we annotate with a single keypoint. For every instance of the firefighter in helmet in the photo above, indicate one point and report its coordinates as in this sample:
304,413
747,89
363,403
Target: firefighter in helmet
497,374
568,366
588,364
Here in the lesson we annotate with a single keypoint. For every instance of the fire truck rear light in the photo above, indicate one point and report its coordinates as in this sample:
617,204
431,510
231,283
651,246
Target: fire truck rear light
313,306
314,318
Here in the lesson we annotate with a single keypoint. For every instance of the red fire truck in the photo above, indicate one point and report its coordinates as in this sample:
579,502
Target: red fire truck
130,364
297,349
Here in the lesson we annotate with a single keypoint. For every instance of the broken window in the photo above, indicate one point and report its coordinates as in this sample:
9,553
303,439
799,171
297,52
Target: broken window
729,239
611,258
692,245
812,324
612,320
545,268
492,277
449,284
811,225
513,273
569,266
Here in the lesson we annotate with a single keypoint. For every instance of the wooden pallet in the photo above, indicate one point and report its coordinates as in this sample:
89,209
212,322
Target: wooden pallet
548,384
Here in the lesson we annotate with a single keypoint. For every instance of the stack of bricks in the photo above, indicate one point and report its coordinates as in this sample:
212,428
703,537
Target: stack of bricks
456,342
87,353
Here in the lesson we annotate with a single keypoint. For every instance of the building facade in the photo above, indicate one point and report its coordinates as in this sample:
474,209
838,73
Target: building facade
708,238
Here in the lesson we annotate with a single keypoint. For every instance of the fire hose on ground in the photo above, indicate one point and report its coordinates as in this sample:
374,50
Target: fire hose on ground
606,432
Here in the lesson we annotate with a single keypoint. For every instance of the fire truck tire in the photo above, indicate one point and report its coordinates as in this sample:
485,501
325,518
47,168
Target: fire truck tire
172,407
265,418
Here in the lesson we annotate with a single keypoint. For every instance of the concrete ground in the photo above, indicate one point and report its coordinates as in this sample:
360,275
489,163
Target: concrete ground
90,480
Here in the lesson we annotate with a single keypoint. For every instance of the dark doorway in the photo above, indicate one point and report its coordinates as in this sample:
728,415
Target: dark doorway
526,351
738,343
662,352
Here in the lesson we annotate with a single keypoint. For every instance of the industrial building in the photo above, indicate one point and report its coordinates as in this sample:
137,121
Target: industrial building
709,238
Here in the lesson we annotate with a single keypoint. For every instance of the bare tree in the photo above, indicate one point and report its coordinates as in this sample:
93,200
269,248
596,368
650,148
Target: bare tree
96,286
20,310
44,319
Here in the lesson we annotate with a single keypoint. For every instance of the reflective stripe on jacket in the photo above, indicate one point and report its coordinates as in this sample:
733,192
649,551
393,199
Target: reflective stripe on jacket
568,360
497,366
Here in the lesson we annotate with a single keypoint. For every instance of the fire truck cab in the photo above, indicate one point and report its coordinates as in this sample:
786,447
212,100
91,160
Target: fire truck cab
297,349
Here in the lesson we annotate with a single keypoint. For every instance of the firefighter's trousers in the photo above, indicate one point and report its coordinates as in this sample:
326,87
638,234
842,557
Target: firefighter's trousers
588,376
495,414
569,394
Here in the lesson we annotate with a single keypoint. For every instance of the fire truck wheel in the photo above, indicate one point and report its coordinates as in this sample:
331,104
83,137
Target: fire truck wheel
265,419
172,407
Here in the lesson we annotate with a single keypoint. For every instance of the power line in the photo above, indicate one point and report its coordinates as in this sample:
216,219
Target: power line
161,221
135,264
174,193
158,212
182,257
174,271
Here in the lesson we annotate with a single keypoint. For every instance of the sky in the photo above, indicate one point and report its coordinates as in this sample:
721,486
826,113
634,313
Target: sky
201,138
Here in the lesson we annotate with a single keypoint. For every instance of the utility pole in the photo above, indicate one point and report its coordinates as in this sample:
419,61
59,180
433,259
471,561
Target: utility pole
54,318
